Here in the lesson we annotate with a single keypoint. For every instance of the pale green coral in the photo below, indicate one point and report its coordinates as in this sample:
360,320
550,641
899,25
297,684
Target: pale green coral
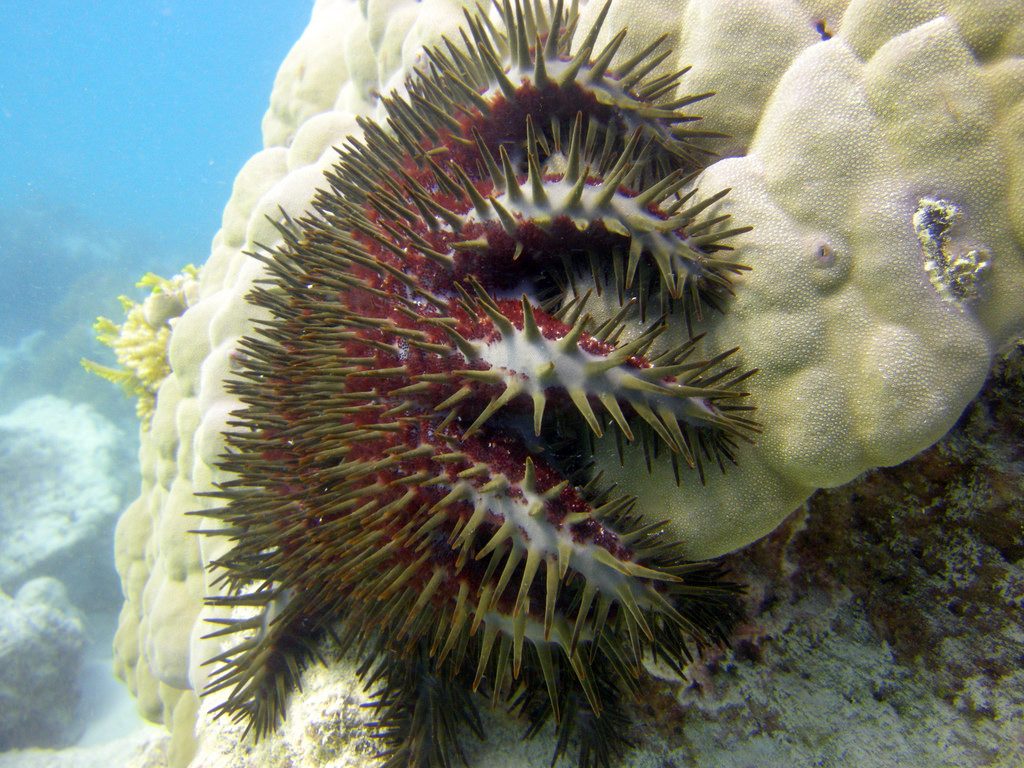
862,361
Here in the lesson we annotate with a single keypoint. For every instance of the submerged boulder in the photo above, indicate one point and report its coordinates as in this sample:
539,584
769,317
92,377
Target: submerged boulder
61,496
42,639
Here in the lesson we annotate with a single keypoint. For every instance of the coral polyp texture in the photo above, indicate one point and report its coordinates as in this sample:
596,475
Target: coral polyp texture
499,343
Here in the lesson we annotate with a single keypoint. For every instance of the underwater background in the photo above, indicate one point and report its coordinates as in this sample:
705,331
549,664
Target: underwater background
122,127
883,618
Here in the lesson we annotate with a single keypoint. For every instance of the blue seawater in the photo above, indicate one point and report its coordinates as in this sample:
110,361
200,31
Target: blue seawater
122,126
139,114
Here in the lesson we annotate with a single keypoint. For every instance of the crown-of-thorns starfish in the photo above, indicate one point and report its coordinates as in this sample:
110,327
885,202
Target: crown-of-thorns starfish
411,469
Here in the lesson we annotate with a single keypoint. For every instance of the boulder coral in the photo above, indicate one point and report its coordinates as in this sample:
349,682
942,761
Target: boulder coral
877,152
42,639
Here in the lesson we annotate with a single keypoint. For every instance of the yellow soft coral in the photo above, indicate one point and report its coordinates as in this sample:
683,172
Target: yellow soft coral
141,341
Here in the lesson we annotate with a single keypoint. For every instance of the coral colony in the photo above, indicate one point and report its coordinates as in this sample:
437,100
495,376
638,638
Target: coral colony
412,471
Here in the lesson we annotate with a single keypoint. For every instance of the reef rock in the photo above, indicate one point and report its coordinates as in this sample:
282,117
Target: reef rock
41,644
884,617
61,498
146,748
